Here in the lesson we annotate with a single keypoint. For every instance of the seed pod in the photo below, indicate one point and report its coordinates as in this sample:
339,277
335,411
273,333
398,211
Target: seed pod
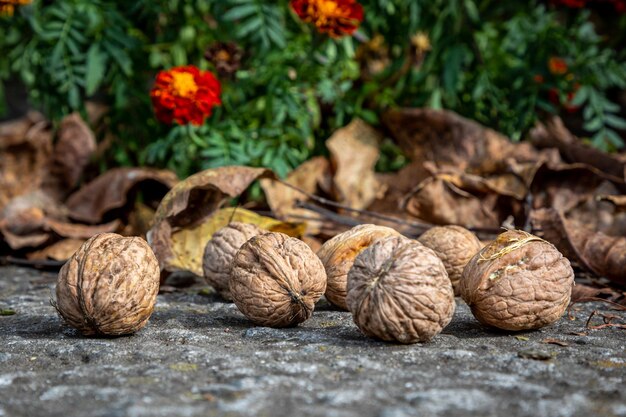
455,245
276,280
338,255
517,282
220,251
109,286
398,290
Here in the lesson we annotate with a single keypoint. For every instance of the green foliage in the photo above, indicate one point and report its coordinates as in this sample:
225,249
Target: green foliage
488,60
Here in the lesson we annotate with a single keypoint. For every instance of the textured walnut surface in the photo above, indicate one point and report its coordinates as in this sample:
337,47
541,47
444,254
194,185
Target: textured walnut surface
276,280
338,255
109,286
455,245
518,282
398,290
220,251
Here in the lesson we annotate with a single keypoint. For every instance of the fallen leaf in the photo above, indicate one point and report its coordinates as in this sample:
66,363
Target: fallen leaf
452,141
140,220
80,231
581,293
619,201
192,200
522,338
308,177
597,252
25,149
72,152
354,152
59,251
7,312
440,200
115,189
551,341
187,244
553,133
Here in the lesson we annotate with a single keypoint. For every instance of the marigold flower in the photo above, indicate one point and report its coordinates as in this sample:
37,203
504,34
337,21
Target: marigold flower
557,66
334,17
225,56
185,95
7,7
576,4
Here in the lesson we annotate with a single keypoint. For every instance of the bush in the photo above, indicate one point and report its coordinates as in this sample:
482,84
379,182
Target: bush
285,86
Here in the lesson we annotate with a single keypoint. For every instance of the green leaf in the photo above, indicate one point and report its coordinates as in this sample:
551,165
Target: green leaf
96,66
240,12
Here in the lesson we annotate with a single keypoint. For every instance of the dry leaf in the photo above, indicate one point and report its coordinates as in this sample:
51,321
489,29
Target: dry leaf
187,244
75,145
114,190
80,231
192,200
354,152
309,176
554,134
597,252
59,251
551,341
25,149
450,140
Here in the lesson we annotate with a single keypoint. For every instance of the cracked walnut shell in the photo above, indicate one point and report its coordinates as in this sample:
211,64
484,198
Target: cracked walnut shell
398,290
518,282
276,280
338,255
220,251
109,286
455,245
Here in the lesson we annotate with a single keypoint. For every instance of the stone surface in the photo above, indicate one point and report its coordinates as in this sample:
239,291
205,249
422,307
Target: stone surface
199,356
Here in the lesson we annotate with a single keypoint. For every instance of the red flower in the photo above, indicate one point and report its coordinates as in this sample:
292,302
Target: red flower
185,95
557,66
538,78
335,17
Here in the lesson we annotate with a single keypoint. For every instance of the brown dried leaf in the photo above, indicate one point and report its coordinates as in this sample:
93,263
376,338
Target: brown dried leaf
354,152
75,145
80,231
192,200
554,134
452,141
597,252
25,149
309,177
455,199
113,189
59,251
552,341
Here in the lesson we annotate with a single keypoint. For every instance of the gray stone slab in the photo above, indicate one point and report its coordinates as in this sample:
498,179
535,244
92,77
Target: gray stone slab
199,356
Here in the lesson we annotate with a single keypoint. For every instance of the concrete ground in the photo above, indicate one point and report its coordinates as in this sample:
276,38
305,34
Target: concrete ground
199,356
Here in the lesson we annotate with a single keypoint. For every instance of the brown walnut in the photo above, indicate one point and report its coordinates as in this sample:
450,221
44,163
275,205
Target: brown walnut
517,282
398,290
455,245
338,255
276,280
109,286
220,251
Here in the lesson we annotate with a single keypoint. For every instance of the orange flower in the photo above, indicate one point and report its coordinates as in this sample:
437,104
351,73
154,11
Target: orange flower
335,17
185,95
7,7
557,66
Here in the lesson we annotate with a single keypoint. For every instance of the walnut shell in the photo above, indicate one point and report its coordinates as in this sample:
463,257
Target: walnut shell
517,282
109,286
398,290
276,280
338,255
220,251
455,245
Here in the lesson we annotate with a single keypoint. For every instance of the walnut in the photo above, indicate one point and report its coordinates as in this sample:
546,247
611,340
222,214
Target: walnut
109,286
398,290
517,282
276,280
220,252
455,245
339,253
